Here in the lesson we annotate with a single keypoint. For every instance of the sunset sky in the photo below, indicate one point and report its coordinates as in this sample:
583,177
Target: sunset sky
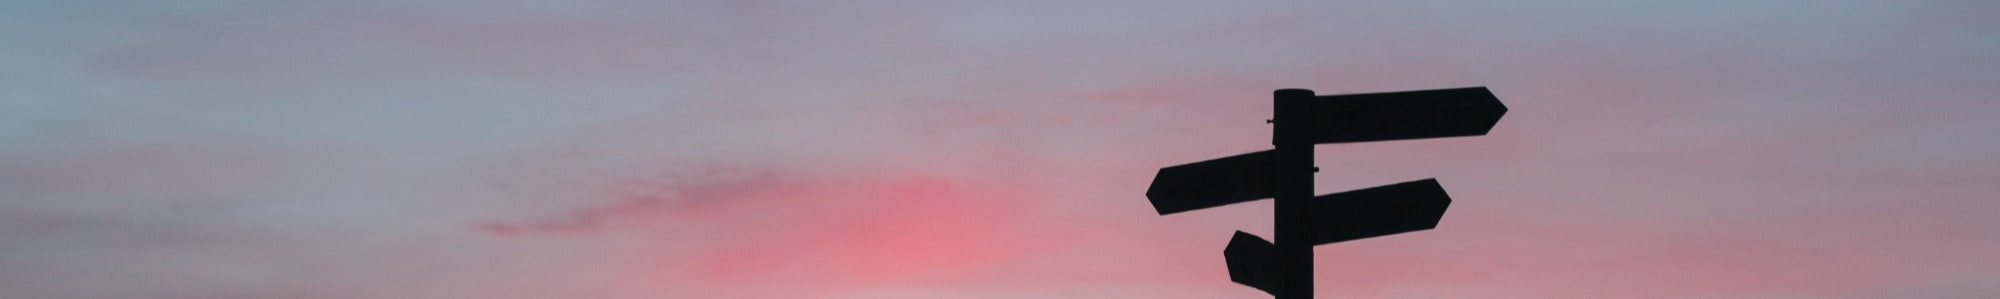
514,149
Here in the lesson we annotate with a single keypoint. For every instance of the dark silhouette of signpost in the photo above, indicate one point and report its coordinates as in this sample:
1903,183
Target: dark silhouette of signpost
1300,120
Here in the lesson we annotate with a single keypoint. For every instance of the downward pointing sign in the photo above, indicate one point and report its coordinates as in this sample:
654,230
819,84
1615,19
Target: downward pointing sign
1253,262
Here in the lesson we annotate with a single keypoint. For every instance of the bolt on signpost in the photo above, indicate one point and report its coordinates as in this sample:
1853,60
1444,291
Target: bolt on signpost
1302,119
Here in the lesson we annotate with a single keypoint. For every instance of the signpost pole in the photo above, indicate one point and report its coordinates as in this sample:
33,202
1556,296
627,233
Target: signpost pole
1291,133
1301,119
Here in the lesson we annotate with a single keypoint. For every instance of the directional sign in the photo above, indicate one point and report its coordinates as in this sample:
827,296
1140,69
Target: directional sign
1379,211
1301,119
1359,214
1253,262
1213,183
1470,111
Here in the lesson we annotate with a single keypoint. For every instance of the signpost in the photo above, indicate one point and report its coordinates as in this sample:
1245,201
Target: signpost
1301,120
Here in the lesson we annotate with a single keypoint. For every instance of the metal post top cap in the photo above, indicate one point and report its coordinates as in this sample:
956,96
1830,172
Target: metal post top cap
1293,92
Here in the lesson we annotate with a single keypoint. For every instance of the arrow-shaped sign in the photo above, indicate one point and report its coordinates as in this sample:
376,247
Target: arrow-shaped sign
1469,111
1346,216
1379,211
1253,262
1214,183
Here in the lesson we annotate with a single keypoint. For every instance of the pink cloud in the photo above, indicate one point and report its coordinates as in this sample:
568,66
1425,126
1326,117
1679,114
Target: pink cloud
758,227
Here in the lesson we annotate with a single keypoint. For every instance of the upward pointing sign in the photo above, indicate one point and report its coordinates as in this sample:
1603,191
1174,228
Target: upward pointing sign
1379,211
1340,217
